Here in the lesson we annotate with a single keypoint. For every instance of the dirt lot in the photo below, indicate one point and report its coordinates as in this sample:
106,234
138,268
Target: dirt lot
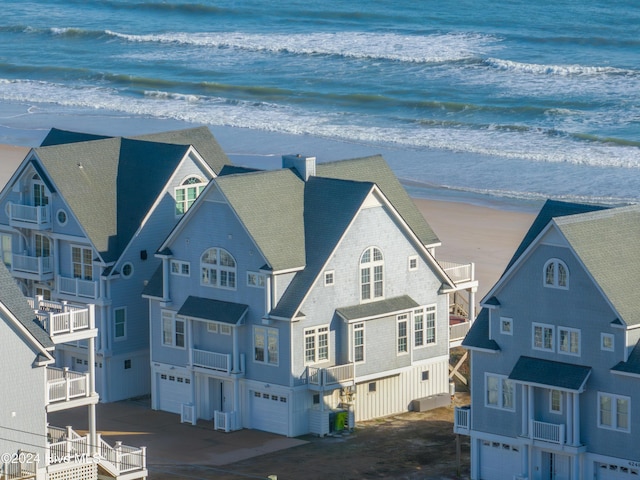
411,446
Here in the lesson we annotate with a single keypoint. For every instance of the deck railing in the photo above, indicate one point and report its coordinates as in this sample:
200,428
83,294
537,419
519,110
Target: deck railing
221,362
462,420
458,331
21,467
330,376
77,287
34,265
548,432
64,384
60,318
123,457
458,272
29,214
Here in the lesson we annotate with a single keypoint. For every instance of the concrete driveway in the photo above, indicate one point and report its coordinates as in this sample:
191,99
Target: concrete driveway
168,441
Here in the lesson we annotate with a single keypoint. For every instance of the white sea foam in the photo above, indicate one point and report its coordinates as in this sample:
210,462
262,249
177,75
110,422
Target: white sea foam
383,46
562,70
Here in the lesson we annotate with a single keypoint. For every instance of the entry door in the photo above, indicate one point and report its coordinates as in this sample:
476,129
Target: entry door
555,466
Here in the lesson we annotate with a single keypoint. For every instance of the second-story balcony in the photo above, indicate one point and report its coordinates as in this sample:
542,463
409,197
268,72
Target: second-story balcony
219,362
330,378
67,389
458,272
77,287
64,323
462,420
547,432
27,216
31,267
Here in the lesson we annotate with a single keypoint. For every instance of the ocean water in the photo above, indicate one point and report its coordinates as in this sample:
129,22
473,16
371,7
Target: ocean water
507,100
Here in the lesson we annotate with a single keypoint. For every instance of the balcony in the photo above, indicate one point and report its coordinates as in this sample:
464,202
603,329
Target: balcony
458,272
27,216
32,268
64,323
330,378
121,461
458,328
67,389
219,362
462,420
77,287
547,432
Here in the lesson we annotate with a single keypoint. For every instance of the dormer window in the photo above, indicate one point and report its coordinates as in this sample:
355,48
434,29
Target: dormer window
187,193
556,274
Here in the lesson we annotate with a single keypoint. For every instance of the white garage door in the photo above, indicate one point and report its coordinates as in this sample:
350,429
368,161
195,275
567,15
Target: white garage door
499,461
173,391
269,412
606,471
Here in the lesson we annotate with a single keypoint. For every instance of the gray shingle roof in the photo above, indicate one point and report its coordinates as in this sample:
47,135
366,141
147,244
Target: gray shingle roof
154,287
12,298
101,182
377,309
374,169
61,137
547,373
214,310
606,243
270,205
632,365
478,335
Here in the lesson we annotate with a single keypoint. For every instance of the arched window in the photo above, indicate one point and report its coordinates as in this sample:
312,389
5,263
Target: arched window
218,269
556,274
371,274
187,193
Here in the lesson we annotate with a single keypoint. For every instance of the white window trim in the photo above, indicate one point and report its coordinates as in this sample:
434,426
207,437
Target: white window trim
130,273
501,380
199,187
219,268
371,266
124,336
426,311
180,268
316,333
556,262
360,326
409,260
508,321
66,217
533,337
267,331
225,329
614,413
403,318
173,318
212,327
569,331
613,342
260,280
329,278
551,410
84,265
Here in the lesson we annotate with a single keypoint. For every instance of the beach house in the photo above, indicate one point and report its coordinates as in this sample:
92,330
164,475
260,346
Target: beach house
80,220
555,353
301,300
33,388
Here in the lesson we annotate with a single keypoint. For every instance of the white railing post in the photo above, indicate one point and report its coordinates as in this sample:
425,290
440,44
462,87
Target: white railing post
118,449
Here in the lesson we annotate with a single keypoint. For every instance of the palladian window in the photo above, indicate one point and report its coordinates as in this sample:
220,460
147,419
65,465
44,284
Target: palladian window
218,269
187,193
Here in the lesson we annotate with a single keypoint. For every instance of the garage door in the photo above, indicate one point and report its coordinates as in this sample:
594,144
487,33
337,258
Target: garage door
605,471
499,461
269,412
173,391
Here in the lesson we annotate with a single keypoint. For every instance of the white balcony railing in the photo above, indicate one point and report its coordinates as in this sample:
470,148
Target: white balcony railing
458,272
77,287
462,420
21,465
64,384
458,331
34,265
221,362
548,432
330,376
40,215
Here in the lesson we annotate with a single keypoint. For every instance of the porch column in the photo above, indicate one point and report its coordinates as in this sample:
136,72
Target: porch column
524,416
93,438
190,340
165,279
576,418
236,404
569,408
235,367
267,293
575,467
531,409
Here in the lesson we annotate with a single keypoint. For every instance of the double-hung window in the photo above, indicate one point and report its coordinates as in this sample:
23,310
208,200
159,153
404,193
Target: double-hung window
82,263
403,334
499,392
173,330
424,326
543,337
569,341
178,267
613,411
120,323
555,401
358,342
265,345
316,344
